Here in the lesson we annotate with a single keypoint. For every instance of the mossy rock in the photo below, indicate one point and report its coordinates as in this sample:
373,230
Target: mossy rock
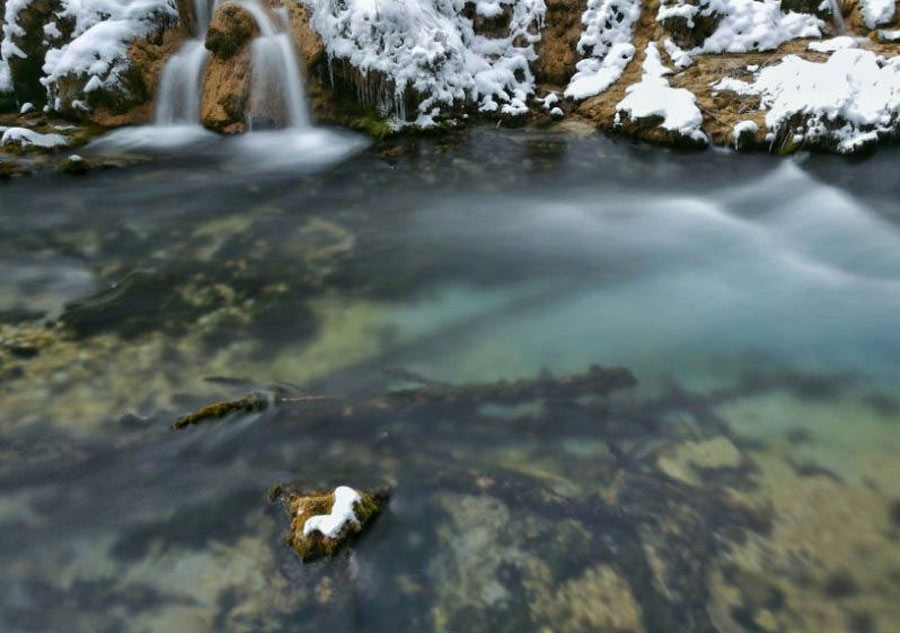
231,29
301,505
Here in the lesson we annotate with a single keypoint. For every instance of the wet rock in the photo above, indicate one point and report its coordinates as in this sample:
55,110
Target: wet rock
325,521
226,83
75,165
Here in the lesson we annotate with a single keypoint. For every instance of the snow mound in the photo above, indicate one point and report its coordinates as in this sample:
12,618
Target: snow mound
432,48
342,513
29,138
844,103
606,41
834,44
654,97
877,12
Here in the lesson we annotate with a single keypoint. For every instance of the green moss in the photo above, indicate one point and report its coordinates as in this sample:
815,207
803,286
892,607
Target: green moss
253,403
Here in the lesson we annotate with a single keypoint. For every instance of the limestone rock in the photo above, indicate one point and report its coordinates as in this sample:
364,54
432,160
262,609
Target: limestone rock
556,50
232,28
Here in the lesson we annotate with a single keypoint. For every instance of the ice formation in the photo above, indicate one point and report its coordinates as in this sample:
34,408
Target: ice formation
342,513
653,96
431,48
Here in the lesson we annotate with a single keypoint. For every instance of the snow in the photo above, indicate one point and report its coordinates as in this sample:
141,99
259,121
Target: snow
51,30
730,84
741,128
679,57
846,101
26,138
26,108
430,47
606,44
889,35
103,30
746,25
876,12
834,44
330,525
653,96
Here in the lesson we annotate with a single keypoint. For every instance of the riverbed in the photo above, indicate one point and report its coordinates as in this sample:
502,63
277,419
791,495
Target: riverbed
748,482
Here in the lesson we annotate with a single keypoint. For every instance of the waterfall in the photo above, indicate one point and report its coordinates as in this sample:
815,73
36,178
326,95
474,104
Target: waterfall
178,101
837,17
277,97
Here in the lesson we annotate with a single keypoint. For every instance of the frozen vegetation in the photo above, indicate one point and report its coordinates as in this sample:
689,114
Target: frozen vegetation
390,64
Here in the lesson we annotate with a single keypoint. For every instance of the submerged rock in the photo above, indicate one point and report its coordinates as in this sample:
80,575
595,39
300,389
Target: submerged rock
322,521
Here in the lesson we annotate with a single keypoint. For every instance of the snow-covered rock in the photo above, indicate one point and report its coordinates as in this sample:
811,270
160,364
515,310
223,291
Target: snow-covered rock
844,104
606,44
431,49
653,99
23,137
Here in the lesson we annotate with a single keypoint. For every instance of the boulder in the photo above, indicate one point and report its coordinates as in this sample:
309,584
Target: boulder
226,83
232,28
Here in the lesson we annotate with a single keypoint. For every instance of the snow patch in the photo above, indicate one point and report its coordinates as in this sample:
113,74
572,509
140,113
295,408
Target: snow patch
746,25
342,513
876,12
846,102
653,96
606,43
28,138
834,44
103,30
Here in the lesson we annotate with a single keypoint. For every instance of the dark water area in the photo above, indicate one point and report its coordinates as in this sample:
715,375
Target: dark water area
747,482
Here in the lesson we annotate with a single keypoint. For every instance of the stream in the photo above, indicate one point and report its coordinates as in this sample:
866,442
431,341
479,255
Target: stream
748,482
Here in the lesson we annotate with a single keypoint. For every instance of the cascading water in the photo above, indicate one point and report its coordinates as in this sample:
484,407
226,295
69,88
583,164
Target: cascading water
277,97
837,17
178,100
281,135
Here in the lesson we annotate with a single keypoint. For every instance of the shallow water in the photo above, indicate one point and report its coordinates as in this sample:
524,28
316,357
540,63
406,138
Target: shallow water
753,298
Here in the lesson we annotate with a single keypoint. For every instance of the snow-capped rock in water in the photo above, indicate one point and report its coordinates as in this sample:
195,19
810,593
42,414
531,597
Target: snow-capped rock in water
828,78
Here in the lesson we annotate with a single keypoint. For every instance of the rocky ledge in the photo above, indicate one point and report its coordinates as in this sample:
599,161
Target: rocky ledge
777,75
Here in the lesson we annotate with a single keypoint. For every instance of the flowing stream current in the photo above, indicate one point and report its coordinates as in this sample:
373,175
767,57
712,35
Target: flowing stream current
749,481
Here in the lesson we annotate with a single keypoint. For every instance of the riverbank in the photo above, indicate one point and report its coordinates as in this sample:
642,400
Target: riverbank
748,74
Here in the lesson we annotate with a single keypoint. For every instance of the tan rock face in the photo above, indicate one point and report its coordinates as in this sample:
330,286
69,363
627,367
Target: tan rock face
226,82
232,28
556,50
